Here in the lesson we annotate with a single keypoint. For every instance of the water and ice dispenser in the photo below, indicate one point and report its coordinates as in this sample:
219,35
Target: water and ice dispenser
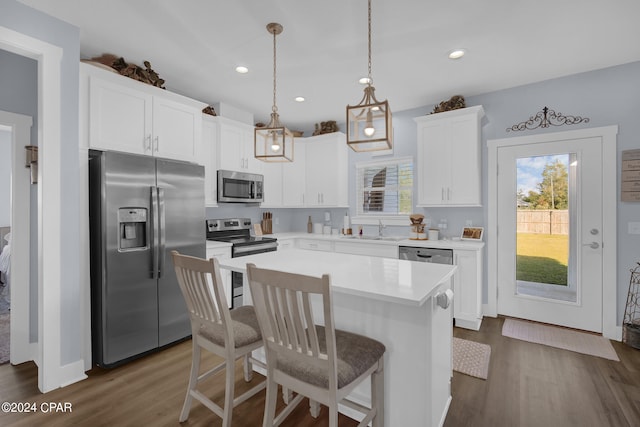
132,229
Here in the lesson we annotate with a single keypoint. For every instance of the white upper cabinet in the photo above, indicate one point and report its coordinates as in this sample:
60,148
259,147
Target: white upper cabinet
294,176
236,147
449,158
133,117
272,172
209,159
317,177
326,170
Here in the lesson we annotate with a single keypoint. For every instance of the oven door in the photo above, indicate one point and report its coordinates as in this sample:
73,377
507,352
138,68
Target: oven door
237,278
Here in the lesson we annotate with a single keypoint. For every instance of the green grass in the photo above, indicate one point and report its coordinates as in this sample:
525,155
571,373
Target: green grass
542,258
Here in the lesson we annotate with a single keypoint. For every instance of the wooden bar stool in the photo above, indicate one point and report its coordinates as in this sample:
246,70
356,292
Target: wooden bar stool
228,333
319,362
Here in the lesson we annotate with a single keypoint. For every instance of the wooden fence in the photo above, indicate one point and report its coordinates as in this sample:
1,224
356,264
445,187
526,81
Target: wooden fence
543,221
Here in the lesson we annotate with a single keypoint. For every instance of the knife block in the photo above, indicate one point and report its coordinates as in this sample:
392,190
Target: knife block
266,226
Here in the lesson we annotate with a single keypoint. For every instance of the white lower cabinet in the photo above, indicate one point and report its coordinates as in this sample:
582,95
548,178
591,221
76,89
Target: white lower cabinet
222,253
467,289
284,244
315,244
385,251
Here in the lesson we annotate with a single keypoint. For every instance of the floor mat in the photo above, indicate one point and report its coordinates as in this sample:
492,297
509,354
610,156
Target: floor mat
471,358
567,339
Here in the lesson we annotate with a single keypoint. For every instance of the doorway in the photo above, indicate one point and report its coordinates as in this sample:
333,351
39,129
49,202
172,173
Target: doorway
18,127
550,208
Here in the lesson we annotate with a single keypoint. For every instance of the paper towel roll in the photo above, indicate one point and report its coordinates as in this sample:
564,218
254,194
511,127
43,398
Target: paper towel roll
347,222
317,228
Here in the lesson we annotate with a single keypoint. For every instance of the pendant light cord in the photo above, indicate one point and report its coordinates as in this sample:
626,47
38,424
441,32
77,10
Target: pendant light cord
274,108
369,33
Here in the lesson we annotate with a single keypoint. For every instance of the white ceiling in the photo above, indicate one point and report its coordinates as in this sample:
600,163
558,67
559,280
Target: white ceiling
196,44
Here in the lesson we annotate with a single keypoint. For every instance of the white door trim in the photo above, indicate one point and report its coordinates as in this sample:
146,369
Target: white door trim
610,328
51,373
20,128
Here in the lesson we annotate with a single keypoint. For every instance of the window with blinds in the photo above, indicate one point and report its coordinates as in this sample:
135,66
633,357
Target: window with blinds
385,188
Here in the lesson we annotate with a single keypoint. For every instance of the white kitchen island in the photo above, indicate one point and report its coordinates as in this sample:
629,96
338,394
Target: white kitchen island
393,301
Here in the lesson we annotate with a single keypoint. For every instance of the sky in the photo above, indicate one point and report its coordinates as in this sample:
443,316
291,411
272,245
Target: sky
529,170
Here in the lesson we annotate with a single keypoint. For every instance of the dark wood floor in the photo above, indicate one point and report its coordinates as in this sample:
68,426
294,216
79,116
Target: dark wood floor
535,385
528,385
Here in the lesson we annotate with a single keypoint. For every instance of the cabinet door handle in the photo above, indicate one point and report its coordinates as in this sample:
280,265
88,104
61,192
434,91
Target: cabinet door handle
448,193
442,194
157,140
147,143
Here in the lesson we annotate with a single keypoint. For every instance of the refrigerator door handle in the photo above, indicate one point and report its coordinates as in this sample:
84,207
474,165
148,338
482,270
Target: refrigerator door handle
162,231
154,231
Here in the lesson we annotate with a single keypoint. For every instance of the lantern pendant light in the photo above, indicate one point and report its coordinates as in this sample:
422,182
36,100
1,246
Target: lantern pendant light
369,123
274,142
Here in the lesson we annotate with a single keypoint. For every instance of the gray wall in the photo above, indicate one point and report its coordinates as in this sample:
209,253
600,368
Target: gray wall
609,96
25,20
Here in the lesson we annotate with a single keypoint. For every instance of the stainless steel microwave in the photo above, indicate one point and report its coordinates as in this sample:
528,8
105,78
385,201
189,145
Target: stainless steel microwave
239,187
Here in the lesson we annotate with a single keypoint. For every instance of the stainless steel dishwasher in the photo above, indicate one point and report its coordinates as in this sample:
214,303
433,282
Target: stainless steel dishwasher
434,255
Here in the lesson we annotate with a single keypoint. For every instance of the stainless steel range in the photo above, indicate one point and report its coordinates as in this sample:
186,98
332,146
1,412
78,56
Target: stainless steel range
237,231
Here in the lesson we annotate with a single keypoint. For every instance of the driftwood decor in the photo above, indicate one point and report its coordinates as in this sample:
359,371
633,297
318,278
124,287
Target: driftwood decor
325,127
135,72
209,110
454,103
547,118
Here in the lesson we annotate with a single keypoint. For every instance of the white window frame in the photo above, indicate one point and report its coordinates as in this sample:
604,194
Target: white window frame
373,219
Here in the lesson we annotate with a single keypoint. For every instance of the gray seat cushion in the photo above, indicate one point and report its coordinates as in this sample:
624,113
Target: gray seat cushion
356,354
245,328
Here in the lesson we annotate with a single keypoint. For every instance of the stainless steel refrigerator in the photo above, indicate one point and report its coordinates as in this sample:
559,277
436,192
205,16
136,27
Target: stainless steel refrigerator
141,208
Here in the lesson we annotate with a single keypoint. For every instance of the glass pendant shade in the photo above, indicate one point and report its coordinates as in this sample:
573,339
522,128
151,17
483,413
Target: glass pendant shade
274,142
369,124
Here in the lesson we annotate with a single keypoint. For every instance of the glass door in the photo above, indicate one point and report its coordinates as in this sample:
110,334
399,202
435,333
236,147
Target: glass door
549,232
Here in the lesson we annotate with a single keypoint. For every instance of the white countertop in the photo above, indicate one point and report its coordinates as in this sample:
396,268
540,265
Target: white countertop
385,279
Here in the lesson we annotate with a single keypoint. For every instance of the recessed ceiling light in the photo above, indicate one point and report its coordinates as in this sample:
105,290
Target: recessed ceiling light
299,98
456,53
242,69
364,80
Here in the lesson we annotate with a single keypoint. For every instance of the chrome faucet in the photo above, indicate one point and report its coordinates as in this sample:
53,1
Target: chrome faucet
381,226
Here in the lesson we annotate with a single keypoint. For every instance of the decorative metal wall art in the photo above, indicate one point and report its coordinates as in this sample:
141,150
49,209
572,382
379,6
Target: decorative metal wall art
547,118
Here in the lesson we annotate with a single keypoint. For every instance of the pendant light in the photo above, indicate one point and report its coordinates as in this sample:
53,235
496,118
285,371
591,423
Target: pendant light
369,122
274,142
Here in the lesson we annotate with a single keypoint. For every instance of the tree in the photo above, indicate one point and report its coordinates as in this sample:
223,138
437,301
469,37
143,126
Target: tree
552,190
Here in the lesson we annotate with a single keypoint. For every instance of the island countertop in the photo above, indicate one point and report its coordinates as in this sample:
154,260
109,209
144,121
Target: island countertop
384,279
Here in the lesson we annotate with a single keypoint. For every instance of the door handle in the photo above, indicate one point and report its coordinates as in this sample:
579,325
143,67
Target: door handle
154,231
592,245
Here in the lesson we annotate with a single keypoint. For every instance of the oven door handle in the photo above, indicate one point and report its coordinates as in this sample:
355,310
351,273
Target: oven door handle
239,250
